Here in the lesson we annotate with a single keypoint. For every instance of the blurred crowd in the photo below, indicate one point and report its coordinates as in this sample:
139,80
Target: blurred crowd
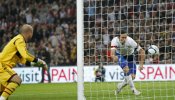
54,23
146,21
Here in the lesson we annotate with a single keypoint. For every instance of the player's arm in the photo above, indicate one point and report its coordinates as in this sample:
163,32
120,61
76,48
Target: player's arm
141,56
141,53
113,50
113,54
25,62
21,47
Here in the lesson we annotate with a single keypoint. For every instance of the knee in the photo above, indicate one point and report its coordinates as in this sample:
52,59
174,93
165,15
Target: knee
133,76
126,69
16,79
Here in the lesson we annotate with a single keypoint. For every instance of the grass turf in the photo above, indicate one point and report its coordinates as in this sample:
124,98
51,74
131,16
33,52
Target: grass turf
94,91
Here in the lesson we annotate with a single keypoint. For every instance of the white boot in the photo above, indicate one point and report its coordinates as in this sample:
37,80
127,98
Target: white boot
120,86
136,92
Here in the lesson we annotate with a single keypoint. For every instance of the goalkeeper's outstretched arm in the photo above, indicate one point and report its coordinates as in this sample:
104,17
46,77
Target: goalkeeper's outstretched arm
21,47
20,43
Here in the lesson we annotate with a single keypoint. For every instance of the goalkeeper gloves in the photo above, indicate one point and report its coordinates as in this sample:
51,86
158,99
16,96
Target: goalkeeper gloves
40,63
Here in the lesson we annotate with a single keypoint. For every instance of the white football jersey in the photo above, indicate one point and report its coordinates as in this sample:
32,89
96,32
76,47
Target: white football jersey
127,48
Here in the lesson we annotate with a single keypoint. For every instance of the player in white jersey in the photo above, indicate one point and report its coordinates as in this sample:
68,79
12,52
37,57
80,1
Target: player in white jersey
123,48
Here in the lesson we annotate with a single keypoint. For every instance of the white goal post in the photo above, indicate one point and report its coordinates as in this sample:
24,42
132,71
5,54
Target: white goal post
80,54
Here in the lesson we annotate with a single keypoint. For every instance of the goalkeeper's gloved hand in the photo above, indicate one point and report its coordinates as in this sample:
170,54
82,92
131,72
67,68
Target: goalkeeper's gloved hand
40,63
43,63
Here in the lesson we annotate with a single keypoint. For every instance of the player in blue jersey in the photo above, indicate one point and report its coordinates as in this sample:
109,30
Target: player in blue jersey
123,48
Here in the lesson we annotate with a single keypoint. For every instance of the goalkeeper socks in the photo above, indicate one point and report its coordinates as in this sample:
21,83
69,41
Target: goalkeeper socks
2,98
9,90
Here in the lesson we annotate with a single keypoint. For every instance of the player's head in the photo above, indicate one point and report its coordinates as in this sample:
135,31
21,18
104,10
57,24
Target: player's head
123,35
27,31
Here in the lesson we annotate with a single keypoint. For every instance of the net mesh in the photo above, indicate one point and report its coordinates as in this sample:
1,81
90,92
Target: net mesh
147,22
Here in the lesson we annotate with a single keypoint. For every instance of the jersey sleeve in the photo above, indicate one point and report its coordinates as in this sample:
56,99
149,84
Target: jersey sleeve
134,44
114,43
22,61
21,47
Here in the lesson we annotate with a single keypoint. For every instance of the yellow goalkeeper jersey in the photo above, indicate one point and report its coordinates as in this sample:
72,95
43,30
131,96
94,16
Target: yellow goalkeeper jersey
15,52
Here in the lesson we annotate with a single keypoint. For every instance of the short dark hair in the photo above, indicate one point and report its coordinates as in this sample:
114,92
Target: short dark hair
123,32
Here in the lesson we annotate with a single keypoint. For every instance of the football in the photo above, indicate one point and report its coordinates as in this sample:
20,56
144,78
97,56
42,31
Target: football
153,49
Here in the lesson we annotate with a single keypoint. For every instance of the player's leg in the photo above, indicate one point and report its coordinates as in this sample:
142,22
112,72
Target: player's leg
4,76
10,80
126,73
42,75
131,77
13,83
124,65
48,72
124,83
1,89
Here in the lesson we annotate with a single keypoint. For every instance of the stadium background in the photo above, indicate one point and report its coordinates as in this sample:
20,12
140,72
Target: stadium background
54,22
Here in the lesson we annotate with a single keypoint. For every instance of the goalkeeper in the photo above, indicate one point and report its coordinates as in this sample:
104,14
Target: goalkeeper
15,52
122,51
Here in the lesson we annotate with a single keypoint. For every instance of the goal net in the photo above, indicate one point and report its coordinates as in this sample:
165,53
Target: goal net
147,22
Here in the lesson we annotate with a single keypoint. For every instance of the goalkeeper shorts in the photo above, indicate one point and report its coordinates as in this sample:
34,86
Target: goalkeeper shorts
5,74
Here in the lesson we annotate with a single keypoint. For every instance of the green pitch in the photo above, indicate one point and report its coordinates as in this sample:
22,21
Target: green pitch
95,91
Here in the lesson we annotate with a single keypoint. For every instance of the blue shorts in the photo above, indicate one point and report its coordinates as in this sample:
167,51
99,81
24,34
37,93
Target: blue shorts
129,61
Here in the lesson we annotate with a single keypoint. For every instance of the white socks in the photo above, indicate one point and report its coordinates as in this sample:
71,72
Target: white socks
124,83
2,98
130,82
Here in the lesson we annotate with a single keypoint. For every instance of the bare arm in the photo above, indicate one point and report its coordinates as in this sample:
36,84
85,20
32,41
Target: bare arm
141,58
114,45
113,54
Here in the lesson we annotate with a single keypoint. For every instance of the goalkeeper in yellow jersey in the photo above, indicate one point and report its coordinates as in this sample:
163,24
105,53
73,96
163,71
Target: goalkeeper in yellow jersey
15,52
